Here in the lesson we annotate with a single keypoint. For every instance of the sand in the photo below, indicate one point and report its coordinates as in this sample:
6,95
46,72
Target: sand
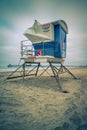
36,103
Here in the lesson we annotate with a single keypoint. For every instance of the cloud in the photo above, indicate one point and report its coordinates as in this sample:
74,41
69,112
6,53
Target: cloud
9,54
17,15
9,37
9,49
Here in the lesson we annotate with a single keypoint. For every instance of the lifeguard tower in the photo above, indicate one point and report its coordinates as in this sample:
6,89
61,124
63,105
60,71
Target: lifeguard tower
49,43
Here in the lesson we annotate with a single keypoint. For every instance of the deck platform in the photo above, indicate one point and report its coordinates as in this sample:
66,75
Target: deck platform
42,59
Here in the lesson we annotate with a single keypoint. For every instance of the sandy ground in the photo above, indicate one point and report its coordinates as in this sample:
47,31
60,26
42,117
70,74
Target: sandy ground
36,103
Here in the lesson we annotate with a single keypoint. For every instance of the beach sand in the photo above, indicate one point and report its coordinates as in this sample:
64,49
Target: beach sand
36,103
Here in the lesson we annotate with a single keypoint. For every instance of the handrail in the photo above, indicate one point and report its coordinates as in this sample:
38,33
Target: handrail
27,49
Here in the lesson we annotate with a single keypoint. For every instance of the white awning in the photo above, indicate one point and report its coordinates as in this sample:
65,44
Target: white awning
36,33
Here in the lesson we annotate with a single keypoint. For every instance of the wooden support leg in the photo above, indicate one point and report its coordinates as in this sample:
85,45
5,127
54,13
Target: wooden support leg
37,69
69,71
55,76
23,71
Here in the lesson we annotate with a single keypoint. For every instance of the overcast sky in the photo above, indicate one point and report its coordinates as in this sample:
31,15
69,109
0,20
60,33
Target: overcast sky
17,15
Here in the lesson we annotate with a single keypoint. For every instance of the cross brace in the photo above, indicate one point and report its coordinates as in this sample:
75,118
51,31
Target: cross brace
56,67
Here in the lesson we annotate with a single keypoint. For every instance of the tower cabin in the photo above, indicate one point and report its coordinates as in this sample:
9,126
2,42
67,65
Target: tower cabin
49,41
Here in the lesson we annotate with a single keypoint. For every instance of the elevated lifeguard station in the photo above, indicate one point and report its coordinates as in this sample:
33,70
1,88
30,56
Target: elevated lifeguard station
49,43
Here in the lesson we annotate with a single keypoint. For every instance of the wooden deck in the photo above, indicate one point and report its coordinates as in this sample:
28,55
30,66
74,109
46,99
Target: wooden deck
42,59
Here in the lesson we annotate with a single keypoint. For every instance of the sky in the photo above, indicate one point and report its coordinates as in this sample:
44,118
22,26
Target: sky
17,15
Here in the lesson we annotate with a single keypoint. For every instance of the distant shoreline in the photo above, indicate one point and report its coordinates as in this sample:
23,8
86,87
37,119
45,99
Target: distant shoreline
10,65
10,68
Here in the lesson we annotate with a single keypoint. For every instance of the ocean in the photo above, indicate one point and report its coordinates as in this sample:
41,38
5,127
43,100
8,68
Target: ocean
5,68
